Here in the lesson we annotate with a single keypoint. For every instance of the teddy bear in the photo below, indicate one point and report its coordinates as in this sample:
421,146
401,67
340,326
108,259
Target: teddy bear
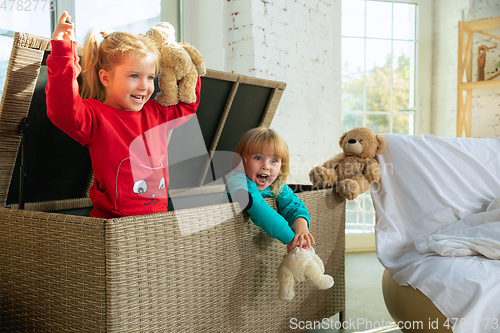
355,168
297,266
179,62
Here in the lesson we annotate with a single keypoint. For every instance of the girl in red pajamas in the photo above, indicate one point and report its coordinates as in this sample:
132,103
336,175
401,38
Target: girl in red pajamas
124,130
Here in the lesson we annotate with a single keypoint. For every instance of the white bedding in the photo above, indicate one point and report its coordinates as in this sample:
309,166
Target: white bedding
473,235
430,188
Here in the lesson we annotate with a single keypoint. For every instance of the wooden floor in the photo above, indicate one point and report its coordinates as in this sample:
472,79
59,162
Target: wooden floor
365,307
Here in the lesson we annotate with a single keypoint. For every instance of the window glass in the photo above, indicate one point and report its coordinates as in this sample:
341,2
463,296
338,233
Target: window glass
353,18
404,21
34,17
378,75
115,15
379,65
403,123
351,120
378,53
353,68
403,75
5,47
26,16
378,123
378,19
378,79
21,16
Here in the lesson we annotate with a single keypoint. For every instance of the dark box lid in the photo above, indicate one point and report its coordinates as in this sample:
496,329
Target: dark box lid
58,168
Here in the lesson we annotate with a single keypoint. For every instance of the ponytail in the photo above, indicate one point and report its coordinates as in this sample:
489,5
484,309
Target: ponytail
92,86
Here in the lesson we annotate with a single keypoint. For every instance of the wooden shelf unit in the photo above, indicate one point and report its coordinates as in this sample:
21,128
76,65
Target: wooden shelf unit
466,31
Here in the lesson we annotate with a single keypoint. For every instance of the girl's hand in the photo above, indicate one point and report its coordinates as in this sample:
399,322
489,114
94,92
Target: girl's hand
303,239
64,30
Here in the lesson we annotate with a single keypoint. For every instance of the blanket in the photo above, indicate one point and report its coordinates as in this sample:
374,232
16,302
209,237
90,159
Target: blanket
473,235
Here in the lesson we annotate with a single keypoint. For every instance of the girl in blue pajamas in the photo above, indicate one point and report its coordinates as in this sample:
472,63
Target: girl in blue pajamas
265,159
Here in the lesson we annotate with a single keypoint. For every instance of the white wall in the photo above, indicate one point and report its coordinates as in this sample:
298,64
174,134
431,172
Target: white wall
423,100
294,41
485,106
206,30
297,42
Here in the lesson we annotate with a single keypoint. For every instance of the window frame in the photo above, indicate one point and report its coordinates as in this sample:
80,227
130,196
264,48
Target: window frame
422,103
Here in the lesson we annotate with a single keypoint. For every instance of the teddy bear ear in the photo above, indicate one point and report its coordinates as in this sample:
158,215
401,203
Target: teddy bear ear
342,139
381,144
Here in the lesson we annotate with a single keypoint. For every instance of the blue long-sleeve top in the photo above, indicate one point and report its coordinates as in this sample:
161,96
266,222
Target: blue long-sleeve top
275,224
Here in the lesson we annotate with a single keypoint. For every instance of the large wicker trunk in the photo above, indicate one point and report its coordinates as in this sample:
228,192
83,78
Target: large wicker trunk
64,271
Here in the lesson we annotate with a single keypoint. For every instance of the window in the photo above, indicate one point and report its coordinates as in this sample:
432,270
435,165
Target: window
22,16
379,50
35,17
5,47
115,15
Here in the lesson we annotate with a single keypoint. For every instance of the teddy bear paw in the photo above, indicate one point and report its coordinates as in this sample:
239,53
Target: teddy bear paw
320,178
165,100
325,282
286,295
349,189
201,69
187,97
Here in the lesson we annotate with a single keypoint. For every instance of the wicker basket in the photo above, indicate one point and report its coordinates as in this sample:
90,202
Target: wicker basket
67,273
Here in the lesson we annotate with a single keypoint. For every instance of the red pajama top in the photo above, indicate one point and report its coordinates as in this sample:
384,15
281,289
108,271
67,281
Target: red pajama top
128,149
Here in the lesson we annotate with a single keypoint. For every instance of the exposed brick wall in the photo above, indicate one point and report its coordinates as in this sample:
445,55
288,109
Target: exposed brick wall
297,42
486,102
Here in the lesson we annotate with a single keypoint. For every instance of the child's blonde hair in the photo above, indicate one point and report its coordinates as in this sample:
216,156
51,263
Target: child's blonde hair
257,140
109,53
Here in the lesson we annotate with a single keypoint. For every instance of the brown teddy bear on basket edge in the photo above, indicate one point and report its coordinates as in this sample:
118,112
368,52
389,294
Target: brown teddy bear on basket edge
179,61
355,168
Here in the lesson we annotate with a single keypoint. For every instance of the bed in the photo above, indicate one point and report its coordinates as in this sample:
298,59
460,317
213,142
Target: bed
437,208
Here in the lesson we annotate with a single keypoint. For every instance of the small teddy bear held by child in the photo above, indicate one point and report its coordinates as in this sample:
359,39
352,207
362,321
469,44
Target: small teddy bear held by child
299,265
